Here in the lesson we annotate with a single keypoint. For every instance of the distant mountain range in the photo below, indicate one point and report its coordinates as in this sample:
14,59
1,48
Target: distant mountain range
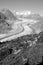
28,14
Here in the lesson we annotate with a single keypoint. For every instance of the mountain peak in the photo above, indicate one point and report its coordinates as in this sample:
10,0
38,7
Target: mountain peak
25,12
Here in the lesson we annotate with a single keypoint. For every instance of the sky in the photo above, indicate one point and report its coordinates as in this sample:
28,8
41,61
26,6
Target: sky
31,5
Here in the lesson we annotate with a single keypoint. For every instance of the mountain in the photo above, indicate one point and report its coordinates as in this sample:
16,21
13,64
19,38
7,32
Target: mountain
7,18
21,23
9,14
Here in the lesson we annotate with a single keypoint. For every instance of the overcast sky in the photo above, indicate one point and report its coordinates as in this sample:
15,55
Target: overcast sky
31,5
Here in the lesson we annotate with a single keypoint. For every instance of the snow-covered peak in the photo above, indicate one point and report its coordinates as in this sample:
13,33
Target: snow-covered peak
22,13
